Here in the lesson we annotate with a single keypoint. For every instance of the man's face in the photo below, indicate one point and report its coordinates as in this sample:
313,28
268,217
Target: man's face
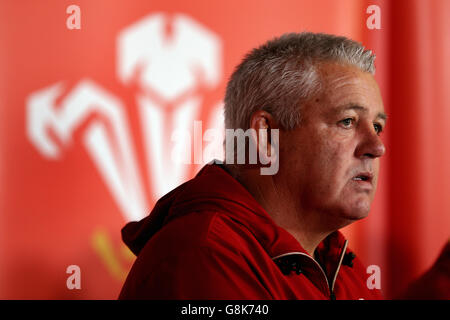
332,158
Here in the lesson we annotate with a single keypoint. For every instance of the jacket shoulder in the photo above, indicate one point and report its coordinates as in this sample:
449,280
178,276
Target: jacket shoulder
210,229
196,256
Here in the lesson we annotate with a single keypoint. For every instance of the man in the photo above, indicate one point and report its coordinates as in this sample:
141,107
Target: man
234,233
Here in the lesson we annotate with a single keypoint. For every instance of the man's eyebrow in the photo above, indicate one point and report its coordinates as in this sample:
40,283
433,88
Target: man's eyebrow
355,106
382,115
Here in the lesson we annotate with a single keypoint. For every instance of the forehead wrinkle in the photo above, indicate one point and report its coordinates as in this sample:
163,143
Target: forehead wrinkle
336,76
340,81
339,73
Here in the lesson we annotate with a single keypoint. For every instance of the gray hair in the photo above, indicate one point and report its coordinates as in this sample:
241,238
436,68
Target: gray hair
282,73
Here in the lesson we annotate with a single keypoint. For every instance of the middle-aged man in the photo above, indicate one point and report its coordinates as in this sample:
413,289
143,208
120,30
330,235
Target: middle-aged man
234,233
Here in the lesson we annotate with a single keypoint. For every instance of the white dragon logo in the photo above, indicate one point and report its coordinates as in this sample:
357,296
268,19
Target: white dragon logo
168,71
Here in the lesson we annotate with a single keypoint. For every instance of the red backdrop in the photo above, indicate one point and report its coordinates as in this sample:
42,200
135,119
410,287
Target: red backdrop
88,116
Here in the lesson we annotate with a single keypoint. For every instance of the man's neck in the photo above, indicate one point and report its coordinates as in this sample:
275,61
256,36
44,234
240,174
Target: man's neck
280,204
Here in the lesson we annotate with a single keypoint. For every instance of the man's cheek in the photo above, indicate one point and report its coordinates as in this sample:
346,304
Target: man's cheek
376,170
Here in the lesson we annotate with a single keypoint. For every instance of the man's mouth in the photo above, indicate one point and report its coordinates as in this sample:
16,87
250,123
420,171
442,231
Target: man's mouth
363,177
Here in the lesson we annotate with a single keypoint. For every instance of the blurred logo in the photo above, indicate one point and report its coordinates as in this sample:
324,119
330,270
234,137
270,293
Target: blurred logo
170,64
170,68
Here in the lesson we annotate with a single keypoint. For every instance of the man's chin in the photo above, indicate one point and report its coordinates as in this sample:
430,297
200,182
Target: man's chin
358,212
349,218
343,214
356,217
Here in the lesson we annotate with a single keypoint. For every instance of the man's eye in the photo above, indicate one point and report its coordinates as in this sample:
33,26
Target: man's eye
378,128
347,122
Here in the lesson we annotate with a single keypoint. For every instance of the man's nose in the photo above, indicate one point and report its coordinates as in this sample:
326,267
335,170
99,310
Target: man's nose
370,145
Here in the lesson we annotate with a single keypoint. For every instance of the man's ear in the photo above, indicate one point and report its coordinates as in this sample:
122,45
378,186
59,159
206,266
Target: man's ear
264,125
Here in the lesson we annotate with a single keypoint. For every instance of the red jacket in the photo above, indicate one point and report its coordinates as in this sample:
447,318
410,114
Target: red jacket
210,239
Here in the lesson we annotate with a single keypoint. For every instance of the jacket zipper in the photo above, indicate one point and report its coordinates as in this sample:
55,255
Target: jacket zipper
330,289
341,258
